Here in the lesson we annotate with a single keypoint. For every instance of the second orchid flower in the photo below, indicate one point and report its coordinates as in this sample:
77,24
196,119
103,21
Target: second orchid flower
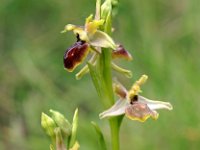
133,105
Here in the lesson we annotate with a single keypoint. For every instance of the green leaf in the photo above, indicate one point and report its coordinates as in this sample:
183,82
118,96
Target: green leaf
72,139
101,140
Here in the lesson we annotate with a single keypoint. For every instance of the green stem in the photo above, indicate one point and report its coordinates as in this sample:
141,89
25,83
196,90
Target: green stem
109,96
106,73
114,126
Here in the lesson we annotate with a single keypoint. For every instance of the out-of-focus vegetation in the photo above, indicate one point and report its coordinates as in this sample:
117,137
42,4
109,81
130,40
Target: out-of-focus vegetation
162,36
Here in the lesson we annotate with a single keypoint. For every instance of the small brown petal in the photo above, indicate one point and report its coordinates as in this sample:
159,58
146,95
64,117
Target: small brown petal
120,52
120,90
140,111
75,55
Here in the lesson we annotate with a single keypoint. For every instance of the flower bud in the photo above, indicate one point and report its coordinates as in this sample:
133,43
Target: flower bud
61,122
48,125
106,9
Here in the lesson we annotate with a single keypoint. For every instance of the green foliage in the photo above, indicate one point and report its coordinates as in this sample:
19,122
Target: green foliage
73,136
101,140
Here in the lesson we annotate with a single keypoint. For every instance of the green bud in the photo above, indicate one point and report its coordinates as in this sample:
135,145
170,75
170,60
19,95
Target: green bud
48,125
106,9
61,122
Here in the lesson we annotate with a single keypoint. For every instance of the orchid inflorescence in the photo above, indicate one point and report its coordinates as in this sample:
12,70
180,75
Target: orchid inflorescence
91,39
95,46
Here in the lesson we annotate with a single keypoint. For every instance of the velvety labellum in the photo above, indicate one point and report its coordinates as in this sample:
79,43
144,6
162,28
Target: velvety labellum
75,55
139,111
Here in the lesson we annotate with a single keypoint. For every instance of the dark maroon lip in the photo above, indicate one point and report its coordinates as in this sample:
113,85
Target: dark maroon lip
75,55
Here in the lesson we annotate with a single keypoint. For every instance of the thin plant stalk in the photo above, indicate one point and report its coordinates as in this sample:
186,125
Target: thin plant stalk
105,66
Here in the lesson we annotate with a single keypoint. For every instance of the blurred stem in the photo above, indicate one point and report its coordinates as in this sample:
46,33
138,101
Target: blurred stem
105,62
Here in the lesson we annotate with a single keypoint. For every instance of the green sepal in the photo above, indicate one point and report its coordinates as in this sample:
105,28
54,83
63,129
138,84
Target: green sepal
102,39
101,139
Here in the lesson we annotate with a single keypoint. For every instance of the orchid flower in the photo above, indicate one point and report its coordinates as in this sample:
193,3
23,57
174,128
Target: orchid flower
90,39
90,33
133,105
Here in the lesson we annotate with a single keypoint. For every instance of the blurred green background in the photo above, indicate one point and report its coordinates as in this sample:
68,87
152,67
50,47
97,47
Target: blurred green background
163,37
